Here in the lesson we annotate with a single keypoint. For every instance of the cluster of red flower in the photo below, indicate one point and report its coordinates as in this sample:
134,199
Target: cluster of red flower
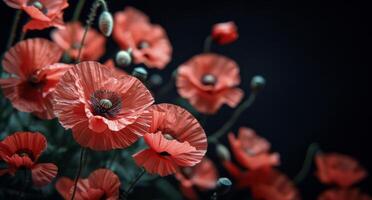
108,109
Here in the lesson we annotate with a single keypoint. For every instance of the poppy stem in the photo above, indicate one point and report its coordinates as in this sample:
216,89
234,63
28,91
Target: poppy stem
13,30
89,22
82,153
242,107
23,35
207,44
311,151
25,186
78,9
133,184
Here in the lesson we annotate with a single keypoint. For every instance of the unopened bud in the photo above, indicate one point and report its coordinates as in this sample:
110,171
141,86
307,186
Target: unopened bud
106,23
123,58
258,83
222,152
223,185
140,73
156,79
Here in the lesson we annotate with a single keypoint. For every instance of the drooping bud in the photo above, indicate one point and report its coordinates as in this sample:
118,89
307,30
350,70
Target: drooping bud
223,185
123,58
140,73
106,23
258,83
222,152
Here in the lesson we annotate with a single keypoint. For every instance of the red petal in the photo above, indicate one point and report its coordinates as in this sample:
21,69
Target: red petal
43,173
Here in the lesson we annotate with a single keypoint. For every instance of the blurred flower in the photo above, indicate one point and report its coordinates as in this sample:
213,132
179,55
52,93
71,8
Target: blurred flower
22,150
343,194
43,13
270,184
101,184
69,39
239,176
104,109
208,81
149,43
176,139
110,63
251,150
339,169
34,75
225,33
203,176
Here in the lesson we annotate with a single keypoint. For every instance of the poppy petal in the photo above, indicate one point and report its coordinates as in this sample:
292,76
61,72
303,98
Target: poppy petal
43,173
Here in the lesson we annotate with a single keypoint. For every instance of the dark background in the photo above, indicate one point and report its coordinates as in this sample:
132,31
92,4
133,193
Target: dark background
314,55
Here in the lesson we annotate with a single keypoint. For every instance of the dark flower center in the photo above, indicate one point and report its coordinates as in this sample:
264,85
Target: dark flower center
36,81
106,103
143,45
26,152
38,5
164,153
209,79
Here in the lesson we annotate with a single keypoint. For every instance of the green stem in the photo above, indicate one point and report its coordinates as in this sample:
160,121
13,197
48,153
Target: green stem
78,9
23,36
91,17
13,30
311,151
207,44
246,104
133,184
82,153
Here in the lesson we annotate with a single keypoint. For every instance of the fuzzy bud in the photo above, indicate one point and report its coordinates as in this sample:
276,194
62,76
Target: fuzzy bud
223,185
156,79
222,152
258,83
123,58
140,73
106,23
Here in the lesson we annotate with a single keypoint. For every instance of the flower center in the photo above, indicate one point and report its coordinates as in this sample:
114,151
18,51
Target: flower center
36,81
143,45
168,137
26,153
106,103
209,79
38,5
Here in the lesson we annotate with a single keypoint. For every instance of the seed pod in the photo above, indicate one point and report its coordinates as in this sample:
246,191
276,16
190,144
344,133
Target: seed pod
223,185
140,73
222,152
106,23
258,83
123,58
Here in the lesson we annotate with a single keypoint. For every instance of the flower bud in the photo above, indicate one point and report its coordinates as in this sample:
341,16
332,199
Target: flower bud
140,73
222,152
156,79
123,58
223,185
258,83
106,23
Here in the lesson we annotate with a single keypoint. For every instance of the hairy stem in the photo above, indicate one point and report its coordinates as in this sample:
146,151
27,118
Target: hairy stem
82,153
207,44
13,30
223,130
311,151
133,184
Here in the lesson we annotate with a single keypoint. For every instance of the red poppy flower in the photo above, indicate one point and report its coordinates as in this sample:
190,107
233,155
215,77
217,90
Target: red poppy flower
342,170
105,110
101,184
343,194
208,81
149,43
22,150
239,176
69,39
176,140
43,13
225,33
251,150
203,176
270,184
35,73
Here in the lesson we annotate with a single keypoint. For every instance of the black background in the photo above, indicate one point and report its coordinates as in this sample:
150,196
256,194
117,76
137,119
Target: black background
315,56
